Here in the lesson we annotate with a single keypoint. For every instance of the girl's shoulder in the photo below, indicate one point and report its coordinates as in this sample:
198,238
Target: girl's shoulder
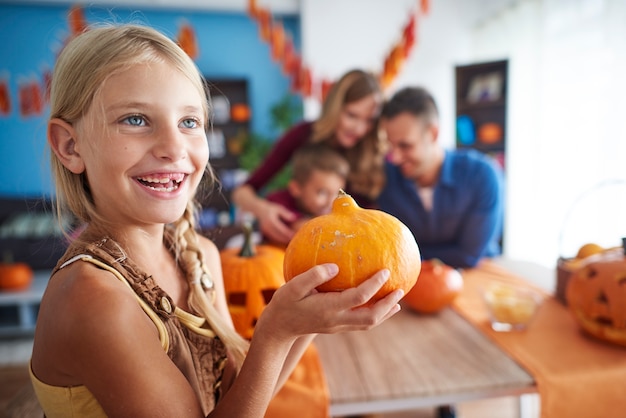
83,295
83,306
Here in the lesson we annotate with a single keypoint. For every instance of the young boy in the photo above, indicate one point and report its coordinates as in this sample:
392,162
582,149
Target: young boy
318,173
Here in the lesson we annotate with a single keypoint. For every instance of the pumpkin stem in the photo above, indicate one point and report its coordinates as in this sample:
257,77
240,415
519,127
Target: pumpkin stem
247,249
341,193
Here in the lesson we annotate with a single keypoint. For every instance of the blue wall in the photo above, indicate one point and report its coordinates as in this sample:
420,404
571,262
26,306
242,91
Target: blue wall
229,46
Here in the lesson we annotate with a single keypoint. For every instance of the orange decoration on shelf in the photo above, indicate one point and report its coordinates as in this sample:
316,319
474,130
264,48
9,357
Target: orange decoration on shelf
490,133
361,242
240,112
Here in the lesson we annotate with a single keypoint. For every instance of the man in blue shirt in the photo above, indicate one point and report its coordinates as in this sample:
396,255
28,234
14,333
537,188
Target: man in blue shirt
452,200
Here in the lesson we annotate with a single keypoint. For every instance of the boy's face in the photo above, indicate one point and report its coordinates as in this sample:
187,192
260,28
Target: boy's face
317,194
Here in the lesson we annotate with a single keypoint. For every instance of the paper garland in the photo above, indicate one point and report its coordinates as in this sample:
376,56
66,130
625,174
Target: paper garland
302,81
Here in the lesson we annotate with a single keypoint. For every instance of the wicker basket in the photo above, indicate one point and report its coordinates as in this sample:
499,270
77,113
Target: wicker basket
563,273
607,197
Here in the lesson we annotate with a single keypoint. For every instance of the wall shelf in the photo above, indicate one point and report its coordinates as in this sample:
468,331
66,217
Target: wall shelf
481,107
227,138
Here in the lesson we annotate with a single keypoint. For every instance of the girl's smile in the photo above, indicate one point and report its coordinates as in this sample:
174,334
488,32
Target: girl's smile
162,182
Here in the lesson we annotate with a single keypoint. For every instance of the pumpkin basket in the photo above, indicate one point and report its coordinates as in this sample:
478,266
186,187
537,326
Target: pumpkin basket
596,221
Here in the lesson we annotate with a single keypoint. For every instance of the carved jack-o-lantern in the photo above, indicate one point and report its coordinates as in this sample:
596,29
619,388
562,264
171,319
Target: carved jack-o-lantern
251,276
596,295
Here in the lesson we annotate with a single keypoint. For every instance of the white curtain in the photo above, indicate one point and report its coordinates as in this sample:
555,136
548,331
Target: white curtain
566,145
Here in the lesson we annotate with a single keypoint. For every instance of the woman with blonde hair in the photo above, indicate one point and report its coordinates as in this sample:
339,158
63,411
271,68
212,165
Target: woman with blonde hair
347,123
134,321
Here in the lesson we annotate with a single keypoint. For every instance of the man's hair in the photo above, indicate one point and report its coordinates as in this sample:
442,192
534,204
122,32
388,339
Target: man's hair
318,156
414,100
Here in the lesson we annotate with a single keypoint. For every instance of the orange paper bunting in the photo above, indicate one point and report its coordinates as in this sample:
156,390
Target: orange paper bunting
283,51
5,97
76,20
187,40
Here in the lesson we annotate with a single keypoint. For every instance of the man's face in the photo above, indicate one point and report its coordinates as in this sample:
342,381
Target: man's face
411,143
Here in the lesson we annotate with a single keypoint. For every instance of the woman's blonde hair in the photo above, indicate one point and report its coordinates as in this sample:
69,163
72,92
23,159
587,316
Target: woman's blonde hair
83,66
367,156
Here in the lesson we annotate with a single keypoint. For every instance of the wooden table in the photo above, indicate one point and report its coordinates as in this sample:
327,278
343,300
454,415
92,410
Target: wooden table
414,361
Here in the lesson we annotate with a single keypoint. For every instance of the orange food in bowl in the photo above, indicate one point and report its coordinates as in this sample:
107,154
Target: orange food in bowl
589,250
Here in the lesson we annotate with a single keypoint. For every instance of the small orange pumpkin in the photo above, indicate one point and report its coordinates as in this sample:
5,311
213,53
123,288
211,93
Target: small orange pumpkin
251,276
15,276
437,286
596,295
361,242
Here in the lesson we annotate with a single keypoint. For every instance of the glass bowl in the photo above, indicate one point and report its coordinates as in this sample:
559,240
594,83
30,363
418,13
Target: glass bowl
510,307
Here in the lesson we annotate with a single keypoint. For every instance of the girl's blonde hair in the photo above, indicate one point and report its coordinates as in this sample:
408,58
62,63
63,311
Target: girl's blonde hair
84,65
367,156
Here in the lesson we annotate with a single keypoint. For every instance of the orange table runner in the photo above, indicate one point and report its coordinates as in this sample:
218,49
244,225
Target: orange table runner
576,376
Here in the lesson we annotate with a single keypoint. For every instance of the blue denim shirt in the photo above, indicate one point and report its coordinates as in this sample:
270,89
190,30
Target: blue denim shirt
465,223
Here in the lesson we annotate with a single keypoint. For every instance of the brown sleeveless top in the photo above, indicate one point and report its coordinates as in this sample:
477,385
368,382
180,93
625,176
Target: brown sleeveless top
190,344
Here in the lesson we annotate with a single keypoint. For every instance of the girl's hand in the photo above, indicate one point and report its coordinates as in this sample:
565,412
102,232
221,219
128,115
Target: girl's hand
297,308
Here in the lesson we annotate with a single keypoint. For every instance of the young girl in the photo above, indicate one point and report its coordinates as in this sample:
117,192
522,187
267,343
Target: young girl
347,123
134,321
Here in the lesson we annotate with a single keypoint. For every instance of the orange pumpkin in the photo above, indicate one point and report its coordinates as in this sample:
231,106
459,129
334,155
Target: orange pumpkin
361,242
15,276
251,276
437,286
596,295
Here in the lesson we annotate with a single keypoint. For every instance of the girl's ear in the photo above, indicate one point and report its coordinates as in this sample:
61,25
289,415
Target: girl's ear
61,137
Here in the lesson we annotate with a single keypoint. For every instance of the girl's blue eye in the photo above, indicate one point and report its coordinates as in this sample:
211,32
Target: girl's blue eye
135,120
190,123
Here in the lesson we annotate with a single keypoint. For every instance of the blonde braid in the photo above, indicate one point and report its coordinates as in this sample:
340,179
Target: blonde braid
191,258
